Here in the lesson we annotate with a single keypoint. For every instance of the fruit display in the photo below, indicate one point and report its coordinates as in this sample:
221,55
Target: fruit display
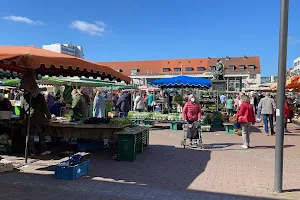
120,121
95,120
155,116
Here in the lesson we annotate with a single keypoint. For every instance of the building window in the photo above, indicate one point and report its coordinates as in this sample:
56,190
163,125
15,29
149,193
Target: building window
166,69
200,69
252,76
189,69
242,67
231,67
212,68
251,67
134,71
178,69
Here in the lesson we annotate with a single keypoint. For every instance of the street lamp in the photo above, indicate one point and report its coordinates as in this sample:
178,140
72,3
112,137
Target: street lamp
283,38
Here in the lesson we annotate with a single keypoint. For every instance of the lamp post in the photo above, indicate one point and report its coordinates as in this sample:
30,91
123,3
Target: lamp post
283,38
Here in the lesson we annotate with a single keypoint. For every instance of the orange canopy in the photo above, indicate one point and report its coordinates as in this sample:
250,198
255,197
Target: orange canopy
293,83
21,58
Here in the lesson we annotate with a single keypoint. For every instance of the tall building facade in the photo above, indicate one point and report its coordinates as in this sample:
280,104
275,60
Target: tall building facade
296,67
240,71
68,49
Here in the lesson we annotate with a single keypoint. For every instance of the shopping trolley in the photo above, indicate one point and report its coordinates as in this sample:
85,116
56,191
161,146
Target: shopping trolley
195,126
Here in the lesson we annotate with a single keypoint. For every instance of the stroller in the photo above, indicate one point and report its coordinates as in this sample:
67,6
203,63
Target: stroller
192,131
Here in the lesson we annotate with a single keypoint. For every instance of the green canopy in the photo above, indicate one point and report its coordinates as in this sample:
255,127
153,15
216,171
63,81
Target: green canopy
73,82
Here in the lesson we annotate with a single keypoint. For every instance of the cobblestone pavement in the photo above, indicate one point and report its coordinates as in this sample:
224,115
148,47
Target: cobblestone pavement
167,171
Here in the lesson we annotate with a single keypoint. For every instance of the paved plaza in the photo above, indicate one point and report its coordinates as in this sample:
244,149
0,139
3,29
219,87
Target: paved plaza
167,171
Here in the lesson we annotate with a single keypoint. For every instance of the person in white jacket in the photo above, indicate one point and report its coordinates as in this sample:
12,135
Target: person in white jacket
139,104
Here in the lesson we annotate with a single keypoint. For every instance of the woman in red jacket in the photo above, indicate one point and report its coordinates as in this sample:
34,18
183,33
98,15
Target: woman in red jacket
287,111
191,112
246,117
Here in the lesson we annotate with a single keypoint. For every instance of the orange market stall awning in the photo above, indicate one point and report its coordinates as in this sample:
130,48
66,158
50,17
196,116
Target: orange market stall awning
19,59
293,83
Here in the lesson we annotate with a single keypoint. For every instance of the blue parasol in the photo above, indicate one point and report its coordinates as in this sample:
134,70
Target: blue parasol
182,81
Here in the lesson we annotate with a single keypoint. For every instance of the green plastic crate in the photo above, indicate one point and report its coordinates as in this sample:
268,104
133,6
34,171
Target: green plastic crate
175,126
127,147
229,128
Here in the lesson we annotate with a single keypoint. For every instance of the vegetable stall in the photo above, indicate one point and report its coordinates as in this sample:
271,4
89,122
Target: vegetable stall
28,62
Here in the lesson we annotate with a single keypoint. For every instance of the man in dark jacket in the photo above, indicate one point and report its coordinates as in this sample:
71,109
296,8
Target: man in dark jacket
123,105
38,113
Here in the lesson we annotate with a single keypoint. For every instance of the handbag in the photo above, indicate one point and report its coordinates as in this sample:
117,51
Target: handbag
153,103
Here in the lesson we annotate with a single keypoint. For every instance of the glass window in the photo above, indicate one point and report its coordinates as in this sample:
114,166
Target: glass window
252,76
178,69
134,71
189,69
242,67
212,68
231,67
166,69
199,69
251,67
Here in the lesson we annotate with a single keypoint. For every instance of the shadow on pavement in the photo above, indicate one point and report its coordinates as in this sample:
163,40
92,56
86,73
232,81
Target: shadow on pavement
85,188
159,166
270,147
255,129
161,171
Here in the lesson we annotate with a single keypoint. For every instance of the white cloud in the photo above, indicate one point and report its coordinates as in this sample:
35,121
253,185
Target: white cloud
293,40
22,19
101,23
97,28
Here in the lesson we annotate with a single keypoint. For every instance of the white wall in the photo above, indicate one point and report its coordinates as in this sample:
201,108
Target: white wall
53,47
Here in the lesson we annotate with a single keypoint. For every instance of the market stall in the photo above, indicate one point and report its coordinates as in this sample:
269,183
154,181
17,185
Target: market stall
27,62
184,83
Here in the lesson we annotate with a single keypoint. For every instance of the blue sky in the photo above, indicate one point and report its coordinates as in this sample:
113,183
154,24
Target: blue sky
116,30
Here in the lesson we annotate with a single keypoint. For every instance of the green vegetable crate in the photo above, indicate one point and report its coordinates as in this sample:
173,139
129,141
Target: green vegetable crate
229,128
175,126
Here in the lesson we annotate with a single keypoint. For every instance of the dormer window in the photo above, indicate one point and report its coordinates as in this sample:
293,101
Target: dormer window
231,67
189,69
251,67
134,71
119,70
242,67
212,68
200,69
227,58
178,69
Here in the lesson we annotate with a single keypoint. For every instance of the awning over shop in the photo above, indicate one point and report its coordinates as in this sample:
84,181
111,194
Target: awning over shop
185,81
19,59
84,82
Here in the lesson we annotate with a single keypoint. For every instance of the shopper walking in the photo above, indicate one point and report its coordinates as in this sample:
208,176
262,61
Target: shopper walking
246,117
191,113
267,107
287,111
151,101
139,104
123,105
230,105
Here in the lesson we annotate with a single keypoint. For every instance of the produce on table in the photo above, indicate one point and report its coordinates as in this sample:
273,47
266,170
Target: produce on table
95,120
120,121
68,116
155,116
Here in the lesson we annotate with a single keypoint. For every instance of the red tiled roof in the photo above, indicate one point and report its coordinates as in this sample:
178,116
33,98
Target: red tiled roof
155,67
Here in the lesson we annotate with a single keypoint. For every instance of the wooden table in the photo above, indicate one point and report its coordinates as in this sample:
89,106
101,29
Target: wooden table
84,131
